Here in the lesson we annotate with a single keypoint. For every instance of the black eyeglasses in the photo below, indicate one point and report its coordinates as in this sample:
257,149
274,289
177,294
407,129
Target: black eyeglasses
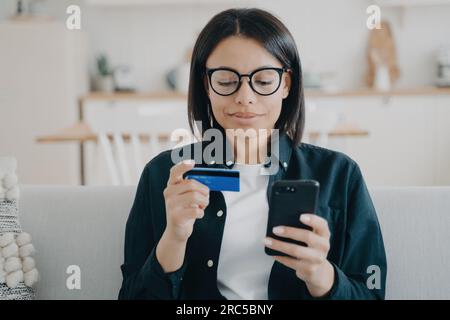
263,81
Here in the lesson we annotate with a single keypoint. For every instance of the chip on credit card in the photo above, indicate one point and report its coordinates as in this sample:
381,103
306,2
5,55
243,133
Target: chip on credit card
215,179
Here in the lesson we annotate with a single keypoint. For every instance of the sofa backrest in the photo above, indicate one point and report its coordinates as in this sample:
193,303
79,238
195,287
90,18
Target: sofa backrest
77,226
84,227
415,222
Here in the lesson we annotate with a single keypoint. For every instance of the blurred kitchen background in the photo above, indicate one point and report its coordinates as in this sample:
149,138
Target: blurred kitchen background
93,105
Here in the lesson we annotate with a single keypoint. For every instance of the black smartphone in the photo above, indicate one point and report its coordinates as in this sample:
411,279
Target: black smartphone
288,200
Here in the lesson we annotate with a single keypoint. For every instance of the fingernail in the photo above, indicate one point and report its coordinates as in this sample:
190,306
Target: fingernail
278,230
267,242
305,218
188,161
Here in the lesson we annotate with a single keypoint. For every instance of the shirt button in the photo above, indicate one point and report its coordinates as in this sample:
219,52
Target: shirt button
210,263
219,213
285,164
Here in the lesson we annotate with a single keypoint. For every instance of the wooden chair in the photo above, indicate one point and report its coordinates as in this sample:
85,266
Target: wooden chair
127,131
319,124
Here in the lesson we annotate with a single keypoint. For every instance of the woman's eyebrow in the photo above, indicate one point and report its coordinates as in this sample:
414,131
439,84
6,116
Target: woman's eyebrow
260,67
266,66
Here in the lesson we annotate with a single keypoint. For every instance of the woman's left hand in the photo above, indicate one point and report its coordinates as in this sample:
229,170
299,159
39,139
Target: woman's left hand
310,263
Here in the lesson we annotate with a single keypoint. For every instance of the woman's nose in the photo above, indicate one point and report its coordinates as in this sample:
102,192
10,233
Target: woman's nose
245,94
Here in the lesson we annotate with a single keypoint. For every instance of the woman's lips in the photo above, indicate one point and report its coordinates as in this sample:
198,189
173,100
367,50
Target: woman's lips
244,117
244,114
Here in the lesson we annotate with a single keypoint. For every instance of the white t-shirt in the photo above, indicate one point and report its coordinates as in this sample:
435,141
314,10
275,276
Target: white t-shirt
244,268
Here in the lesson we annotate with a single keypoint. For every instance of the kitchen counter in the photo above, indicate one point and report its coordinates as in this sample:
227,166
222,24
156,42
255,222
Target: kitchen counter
309,93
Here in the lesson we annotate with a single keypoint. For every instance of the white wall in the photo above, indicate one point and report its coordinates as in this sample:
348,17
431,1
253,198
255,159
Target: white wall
331,35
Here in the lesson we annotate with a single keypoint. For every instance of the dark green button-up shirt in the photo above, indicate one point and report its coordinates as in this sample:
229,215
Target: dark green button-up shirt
356,244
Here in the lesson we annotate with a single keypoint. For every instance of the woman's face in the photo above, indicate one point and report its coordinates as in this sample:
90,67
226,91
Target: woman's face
245,108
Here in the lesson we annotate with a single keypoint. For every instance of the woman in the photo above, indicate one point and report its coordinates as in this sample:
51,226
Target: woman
186,242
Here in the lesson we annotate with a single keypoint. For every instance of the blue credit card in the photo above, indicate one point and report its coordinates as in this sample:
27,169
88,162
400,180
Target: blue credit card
215,179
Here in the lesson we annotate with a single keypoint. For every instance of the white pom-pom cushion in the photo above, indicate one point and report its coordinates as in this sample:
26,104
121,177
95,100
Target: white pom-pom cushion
13,193
28,264
6,239
31,277
13,279
10,180
23,239
2,276
17,267
8,164
26,250
9,188
12,264
12,250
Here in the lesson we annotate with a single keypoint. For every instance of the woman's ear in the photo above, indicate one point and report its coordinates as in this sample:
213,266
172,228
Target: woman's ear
287,83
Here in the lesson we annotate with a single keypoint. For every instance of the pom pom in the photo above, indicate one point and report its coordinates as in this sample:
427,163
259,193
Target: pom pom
26,250
10,180
8,164
12,264
12,250
13,279
2,276
13,194
28,264
6,239
31,277
23,239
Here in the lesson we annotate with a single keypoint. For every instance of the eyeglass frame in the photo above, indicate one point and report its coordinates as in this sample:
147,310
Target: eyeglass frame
210,71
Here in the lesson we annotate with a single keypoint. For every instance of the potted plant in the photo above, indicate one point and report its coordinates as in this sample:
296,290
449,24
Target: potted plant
104,80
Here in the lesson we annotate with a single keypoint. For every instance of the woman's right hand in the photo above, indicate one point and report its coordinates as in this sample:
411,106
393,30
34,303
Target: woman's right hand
186,200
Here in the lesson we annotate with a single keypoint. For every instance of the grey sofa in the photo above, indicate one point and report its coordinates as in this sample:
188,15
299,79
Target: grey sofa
84,227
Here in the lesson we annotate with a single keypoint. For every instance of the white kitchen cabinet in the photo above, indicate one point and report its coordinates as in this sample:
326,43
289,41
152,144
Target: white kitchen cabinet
408,137
42,72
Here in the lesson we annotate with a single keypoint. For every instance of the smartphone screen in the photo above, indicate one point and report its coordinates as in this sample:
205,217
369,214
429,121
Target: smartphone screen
288,200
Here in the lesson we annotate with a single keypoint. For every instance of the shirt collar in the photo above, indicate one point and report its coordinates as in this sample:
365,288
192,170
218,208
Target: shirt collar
282,143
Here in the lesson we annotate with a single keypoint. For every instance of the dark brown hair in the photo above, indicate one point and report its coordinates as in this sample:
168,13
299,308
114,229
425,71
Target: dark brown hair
273,35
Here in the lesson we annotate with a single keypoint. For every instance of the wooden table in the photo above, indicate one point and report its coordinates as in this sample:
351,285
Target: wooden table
81,132
343,130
